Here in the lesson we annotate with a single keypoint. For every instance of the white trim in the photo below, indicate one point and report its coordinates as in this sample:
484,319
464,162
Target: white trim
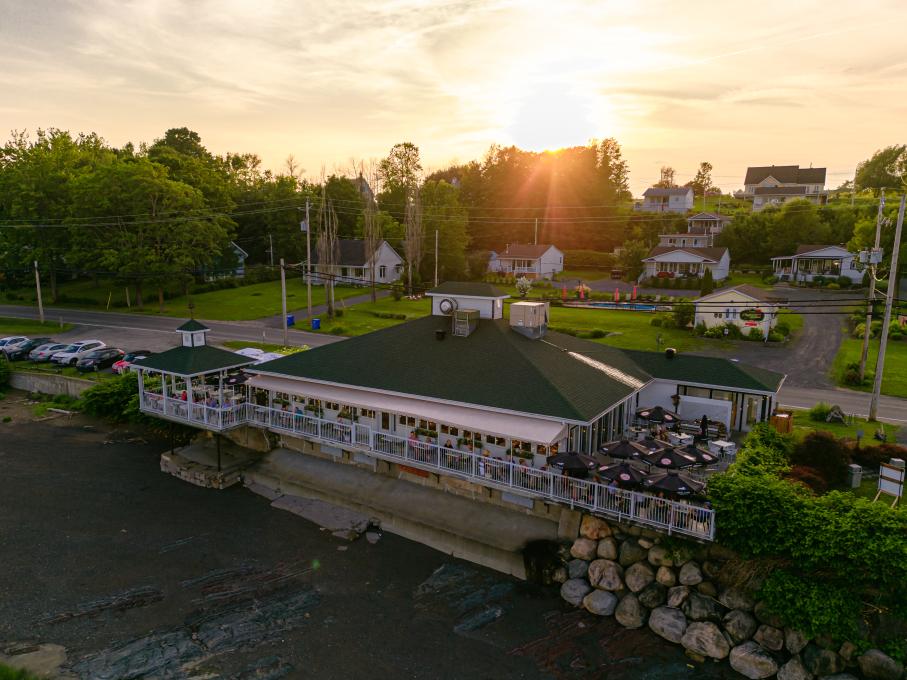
474,297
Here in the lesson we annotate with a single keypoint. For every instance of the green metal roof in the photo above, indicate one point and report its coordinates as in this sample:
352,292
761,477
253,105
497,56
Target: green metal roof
193,360
473,288
495,367
193,325
708,370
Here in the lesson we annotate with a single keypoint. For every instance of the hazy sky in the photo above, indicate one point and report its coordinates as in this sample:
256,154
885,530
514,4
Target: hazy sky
735,83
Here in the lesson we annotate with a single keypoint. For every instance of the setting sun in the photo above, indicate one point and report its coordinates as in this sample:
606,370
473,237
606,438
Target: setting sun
554,118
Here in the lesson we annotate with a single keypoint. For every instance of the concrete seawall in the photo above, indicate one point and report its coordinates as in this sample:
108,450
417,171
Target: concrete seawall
49,384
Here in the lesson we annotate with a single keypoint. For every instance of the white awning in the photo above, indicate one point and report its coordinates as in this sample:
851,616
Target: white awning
524,428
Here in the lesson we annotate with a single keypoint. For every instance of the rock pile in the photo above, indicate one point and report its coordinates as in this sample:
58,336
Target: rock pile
678,593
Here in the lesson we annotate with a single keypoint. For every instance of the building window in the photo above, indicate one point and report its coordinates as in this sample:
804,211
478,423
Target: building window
408,420
497,441
367,413
382,271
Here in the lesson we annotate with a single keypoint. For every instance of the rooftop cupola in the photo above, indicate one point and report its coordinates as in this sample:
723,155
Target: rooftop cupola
193,333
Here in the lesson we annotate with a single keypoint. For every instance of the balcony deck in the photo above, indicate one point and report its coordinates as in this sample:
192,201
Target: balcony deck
671,517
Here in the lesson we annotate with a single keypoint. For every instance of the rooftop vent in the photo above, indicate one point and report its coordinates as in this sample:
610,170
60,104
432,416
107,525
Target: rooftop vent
670,353
529,318
440,334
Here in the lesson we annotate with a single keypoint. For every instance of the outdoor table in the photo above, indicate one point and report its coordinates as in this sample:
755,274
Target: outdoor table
722,447
679,438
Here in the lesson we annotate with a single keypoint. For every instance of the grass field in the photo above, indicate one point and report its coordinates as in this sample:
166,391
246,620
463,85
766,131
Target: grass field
803,425
10,326
894,380
230,304
739,278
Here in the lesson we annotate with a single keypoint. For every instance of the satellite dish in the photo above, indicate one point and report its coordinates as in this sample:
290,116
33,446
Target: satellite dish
447,306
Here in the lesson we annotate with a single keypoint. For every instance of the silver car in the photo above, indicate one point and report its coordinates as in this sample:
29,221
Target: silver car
44,352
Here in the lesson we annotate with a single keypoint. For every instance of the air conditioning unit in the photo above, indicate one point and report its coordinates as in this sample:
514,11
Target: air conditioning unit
529,318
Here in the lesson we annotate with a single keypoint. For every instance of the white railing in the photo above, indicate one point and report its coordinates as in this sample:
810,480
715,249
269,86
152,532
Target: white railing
659,513
177,409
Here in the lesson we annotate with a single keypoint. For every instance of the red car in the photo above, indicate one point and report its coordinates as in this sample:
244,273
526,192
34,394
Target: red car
123,364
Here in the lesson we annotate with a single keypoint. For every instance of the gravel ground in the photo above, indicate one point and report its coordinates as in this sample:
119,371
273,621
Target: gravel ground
138,574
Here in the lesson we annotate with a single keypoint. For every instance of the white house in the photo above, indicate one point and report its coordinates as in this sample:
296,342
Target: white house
711,223
774,184
811,261
744,306
659,199
687,240
675,261
354,265
534,261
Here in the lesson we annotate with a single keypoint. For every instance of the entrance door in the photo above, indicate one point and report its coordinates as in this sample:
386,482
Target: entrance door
387,422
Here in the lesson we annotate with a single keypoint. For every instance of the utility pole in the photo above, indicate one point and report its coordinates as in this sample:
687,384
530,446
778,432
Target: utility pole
308,258
271,248
283,300
38,287
886,322
872,290
536,239
436,258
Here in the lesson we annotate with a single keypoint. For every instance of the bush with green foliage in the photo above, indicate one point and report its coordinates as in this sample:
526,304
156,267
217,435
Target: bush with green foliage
844,282
819,412
707,284
826,454
116,399
684,312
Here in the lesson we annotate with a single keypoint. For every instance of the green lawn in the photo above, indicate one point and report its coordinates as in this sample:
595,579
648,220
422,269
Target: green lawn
10,326
803,425
739,278
894,380
230,304
53,369
585,274
360,319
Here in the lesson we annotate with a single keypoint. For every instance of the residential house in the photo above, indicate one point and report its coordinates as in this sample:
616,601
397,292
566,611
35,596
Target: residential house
534,261
672,200
231,263
744,306
772,185
354,265
687,240
811,261
688,261
711,223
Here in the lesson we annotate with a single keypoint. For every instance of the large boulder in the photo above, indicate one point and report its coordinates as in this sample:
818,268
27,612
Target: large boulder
638,576
600,602
740,625
631,552
690,574
677,595
701,608
819,661
750,660
574,590
577,568
794,640
594,528
711,569
630,613
735,598
794,670
584,549
770,638
607,549
705,639
659,556
666,577
653,595
668,623
606,575
876,665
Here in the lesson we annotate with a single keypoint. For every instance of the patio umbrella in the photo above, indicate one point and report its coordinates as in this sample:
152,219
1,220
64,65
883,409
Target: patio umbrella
672,482
237,379
624,474
701,456
658,414
670,458
650,444
572,463
624,449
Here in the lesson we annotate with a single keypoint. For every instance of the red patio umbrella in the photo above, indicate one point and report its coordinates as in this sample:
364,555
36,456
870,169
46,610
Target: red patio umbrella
616,295
564,293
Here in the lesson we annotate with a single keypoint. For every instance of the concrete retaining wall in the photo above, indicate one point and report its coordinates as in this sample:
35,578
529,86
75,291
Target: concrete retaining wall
49,384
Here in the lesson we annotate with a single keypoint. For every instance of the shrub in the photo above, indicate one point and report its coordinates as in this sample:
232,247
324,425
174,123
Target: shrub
819,412
812,607
755,335
824,452
684,313
833,286
668,322
598,333
844,282
871,456
809,477
782,328
397,292
763,434
116,399
338,312
771,280
656,321
523,286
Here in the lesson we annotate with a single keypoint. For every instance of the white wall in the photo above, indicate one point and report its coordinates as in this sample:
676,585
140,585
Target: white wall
727,306
658,393
551,262
489,308
691,408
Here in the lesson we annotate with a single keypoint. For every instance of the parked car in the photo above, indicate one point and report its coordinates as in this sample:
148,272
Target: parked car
72,353
20,351
123,364
11,340
43,353
99,359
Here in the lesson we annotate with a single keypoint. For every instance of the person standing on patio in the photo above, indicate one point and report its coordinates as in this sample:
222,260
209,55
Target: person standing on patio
704,427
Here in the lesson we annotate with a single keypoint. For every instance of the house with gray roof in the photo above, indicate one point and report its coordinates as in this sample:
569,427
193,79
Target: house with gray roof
532,260
810,261
773,185
353,264
676,261
666,200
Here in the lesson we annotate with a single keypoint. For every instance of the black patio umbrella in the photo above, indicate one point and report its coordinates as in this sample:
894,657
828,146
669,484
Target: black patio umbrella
624,474
672,482
623,449
670,458
650,444
700,455
573,464
658,414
